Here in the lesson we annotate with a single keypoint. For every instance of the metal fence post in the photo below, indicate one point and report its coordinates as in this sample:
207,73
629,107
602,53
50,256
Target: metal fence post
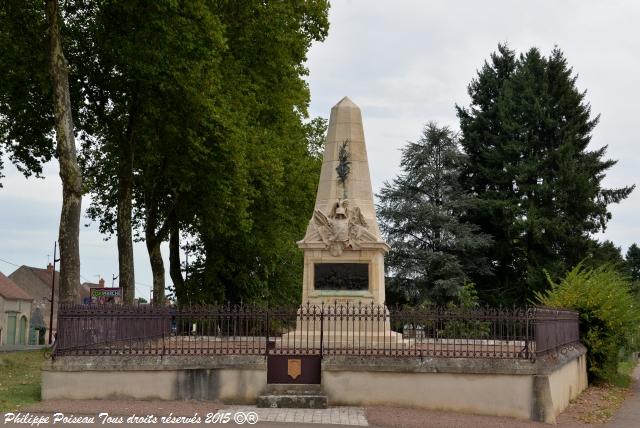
322,330
526,335
163,329
266,333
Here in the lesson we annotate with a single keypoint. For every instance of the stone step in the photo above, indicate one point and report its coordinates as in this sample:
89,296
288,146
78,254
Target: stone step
293,401
296,396
294,389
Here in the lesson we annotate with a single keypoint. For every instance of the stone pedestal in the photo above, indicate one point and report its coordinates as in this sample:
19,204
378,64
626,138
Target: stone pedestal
372,257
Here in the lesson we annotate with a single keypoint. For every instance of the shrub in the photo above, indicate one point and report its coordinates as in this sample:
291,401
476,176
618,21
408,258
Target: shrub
609,314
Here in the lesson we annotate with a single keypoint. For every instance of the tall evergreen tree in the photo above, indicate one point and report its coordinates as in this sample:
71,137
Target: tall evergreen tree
633,262
433,251
632,259
605,253
526,133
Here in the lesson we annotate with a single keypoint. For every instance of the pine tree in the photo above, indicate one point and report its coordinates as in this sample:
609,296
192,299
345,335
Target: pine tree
526,134
433,252
632,259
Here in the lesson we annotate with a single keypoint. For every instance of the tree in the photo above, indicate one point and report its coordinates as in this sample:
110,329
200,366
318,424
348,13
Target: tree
253,257
35,100
605,252
632,260
526,133
219,151
609,315
69,230
434,251
145,61
26,110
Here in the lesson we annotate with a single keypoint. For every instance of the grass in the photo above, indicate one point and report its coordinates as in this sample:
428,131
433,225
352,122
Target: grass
19,379
623,379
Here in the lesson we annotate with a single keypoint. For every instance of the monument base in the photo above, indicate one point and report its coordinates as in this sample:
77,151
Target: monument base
343,326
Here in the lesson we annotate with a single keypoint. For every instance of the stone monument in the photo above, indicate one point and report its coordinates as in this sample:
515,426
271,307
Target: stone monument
343,250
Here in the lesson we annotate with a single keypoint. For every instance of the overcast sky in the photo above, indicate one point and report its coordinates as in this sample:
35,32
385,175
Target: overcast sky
404,63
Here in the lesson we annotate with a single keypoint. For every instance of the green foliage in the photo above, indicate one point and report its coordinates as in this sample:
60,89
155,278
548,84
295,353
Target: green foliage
466,329
26,100
433,250
609,314
260,262
526,134
315,131
209,98
632,260
468,298
606,252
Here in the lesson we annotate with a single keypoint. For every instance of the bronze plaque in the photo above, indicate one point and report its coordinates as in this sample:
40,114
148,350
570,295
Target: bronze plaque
294,367
341,276
279,369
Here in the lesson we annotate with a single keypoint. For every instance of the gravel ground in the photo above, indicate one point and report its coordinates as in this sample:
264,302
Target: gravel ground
393,417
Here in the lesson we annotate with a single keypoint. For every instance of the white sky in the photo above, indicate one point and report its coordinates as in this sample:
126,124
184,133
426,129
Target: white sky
404,63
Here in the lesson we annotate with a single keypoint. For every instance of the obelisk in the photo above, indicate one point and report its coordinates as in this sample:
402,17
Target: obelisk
343,249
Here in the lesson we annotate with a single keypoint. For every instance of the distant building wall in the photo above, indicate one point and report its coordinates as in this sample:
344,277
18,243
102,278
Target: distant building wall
32,284
15,315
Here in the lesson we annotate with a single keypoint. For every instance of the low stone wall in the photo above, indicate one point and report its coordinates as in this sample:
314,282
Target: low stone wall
231,379
523,389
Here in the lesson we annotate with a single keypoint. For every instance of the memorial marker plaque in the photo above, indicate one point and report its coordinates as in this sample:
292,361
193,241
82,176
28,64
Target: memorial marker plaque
341,276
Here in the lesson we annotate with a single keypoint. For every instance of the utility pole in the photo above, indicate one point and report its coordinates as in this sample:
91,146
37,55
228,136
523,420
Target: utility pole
113,279
53,287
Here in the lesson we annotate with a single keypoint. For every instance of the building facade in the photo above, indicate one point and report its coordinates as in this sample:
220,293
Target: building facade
15,313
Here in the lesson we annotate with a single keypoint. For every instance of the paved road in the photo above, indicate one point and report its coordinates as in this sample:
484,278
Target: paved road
628,416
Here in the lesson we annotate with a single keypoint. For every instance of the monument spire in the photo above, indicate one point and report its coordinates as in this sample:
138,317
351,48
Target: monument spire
343,238
345,136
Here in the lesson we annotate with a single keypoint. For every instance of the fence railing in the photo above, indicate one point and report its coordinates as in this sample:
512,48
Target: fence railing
337,329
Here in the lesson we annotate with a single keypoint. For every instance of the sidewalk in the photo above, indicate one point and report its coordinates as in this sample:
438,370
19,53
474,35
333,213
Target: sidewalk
628,416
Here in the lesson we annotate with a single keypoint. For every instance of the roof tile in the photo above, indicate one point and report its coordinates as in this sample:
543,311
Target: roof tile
9,289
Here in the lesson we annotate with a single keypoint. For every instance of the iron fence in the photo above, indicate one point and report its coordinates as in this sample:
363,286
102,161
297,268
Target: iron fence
336,329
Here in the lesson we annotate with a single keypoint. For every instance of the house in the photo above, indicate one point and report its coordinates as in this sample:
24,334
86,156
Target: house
85,290
36,282
15,312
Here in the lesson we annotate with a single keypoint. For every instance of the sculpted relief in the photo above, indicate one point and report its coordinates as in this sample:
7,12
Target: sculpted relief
344,228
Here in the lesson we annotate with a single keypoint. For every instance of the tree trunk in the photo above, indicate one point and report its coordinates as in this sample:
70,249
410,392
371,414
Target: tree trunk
175,269
153,242
157,270
69,231
125,207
